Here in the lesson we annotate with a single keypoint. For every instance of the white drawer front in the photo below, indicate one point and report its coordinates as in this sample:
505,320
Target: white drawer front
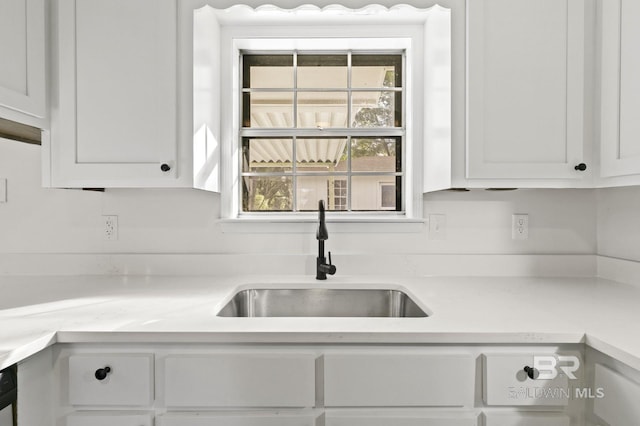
237,419
506,383
400,419
240,380
109,419
366,380
129,382
619,405
526,419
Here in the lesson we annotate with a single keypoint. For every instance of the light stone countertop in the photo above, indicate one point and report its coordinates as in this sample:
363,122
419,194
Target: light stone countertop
36,312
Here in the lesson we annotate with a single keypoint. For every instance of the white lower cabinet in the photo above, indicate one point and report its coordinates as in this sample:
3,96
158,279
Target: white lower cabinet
526,419
238,419
109,419
302,385
618,405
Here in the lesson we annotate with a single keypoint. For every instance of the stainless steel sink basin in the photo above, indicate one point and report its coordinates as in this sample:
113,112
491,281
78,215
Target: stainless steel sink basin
320,302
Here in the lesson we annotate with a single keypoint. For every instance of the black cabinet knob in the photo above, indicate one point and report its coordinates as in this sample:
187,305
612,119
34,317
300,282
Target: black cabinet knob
581,167
532,373
165,167
102,373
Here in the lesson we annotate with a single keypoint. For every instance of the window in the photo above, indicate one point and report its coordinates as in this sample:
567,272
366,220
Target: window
324,126
227,140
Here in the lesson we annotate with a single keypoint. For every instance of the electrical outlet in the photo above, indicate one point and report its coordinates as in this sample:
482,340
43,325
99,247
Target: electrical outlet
110,227
520,227
3,190
437,227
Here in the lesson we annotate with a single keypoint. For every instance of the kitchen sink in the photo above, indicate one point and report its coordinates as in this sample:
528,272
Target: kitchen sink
321,302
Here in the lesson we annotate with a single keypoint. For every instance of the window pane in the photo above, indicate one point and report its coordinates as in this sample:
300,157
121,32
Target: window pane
266,155
376,109
367,193
268,110
374,71
321,155
322,71
331,189
267,71
322,109
388,196
376,155
323,91
267,193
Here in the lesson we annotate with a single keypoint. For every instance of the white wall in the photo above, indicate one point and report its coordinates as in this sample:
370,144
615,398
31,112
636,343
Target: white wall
619,222
37,220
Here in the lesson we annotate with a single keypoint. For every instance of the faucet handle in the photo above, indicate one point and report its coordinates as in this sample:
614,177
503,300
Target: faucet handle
330,268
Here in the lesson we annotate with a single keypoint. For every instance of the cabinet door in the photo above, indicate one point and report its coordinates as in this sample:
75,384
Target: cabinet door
22,49
620,90
526,419
115,123
525,89
238,419
109,419
617,397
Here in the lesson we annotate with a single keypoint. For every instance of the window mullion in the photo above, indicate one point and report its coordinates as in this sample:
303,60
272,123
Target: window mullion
295,90
349,109
349,98
349,191
294,177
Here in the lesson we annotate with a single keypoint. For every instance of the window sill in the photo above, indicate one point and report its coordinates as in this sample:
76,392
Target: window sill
308,225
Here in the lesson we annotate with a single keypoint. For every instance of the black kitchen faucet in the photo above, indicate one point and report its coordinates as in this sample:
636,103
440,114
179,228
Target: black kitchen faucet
322,267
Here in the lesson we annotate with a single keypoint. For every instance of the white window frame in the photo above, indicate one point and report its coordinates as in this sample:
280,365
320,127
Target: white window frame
408,38
208,30
347,133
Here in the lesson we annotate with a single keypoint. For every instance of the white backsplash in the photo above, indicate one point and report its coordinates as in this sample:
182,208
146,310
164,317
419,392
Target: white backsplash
38,220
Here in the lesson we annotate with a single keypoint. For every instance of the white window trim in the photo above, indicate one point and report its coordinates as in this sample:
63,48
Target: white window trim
235,39
207,30
398,46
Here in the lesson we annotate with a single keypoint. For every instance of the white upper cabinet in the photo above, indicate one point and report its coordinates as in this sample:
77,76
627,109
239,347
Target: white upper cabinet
22,69
114,112
620,89
525,107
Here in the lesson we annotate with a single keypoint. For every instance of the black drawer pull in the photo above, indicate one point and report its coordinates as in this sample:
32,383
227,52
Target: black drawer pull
532,373
102,373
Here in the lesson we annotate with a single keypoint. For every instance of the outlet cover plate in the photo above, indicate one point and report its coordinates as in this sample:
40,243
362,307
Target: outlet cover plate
110,227
520,227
